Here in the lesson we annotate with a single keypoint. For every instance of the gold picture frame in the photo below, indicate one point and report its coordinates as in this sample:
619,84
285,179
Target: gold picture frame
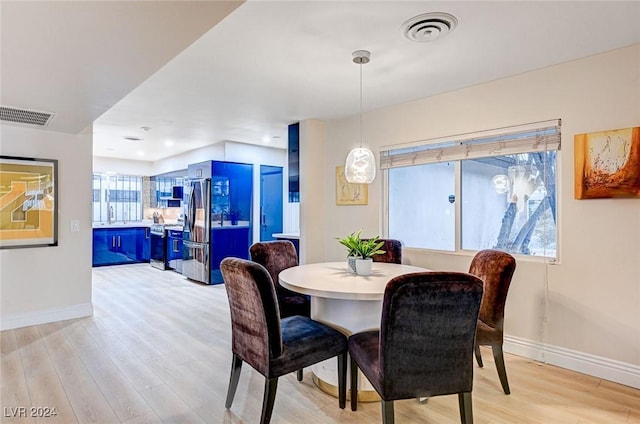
28,202
607,164
350,193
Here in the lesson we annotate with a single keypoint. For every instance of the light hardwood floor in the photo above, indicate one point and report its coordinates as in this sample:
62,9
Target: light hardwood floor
157,350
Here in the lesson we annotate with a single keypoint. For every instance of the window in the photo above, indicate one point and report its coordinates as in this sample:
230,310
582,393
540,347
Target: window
487,192
117,198
164,189
422,214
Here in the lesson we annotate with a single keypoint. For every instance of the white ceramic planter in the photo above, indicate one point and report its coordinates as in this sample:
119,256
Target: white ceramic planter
364,266
351,264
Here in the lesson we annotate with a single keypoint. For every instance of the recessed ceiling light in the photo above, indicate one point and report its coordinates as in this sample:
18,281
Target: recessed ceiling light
276,137
145,128
110,149
140,153
168,143
166,122
131,138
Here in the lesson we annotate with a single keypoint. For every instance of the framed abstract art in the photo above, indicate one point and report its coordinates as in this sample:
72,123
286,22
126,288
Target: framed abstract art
28,202
349,193
607,164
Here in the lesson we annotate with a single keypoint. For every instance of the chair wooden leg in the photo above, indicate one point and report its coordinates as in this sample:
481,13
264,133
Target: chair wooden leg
270,387
498,357
466,410
387,412
476,350
299,374
354,385
236,366
342,380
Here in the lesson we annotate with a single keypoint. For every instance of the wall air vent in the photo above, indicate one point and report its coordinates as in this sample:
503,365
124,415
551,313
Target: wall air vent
25,116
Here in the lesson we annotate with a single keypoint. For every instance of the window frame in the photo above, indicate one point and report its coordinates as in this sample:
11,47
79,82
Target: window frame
104,197
458,189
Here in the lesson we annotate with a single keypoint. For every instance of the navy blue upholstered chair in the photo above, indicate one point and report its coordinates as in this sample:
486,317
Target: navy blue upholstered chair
273,346
425,344
495,268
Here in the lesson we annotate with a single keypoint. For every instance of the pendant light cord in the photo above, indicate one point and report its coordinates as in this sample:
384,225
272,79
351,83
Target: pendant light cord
360,104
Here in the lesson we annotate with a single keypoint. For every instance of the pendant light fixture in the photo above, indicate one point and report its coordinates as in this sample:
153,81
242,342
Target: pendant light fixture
360,166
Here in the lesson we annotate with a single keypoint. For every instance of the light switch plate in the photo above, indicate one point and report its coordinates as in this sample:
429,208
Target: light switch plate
75,225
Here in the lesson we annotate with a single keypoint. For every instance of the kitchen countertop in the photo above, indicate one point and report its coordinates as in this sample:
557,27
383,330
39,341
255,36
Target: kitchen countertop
131,224
295,236
226,225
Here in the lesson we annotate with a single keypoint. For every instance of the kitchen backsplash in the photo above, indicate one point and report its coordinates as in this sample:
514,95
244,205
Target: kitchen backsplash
167,215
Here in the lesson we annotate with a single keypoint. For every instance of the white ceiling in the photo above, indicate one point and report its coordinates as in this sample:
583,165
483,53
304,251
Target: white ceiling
269,64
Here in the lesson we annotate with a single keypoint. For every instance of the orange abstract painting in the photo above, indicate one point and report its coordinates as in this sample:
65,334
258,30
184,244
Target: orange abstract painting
28,215
607,164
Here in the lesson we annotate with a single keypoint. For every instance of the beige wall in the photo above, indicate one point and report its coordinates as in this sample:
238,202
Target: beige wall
588,303
314,183
51,283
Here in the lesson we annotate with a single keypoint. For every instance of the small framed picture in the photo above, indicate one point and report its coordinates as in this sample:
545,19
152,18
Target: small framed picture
350,193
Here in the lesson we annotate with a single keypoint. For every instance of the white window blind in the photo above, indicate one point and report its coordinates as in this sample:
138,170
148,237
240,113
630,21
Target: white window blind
539,136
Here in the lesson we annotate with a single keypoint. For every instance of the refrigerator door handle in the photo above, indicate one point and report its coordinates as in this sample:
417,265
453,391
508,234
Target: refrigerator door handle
188,243
192,209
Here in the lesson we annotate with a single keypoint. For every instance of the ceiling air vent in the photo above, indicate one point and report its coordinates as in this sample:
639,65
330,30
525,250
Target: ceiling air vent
429,26
25,116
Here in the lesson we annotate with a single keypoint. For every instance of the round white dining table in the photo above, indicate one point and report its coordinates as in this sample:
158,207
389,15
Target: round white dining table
346,301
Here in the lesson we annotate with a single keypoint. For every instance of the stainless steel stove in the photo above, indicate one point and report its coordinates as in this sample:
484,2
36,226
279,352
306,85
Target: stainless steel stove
158,247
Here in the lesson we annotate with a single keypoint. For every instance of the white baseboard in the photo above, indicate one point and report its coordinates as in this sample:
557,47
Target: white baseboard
9,322
607,369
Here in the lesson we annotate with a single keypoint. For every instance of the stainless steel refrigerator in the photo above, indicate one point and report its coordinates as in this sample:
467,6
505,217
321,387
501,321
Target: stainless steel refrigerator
197,231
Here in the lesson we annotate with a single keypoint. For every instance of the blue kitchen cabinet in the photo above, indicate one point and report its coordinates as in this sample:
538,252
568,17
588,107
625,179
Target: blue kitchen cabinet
174,250
116,246
231,241
107,247
127,244
143,238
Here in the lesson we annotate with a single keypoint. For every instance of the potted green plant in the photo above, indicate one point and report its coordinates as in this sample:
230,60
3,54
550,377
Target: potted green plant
351,242
365,250
361,252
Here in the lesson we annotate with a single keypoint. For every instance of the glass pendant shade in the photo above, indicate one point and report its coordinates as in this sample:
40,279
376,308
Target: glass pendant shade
360,166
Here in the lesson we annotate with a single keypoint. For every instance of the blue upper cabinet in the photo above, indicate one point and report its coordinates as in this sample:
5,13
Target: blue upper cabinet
293,156
239,195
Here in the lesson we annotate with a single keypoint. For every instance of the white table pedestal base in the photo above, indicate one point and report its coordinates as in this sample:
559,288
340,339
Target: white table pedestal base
348,316
348,302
